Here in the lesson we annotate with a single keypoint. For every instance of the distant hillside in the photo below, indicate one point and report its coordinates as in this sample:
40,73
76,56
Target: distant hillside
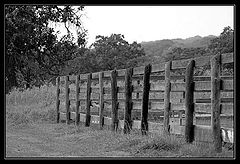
196,41
156,49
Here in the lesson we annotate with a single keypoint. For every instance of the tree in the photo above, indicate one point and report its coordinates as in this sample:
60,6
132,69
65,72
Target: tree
106,53
223,43
116,53
84,62
31,47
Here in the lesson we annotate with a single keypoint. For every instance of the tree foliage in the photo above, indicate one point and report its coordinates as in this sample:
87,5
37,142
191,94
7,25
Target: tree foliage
106,53
32,51
223,43
115,53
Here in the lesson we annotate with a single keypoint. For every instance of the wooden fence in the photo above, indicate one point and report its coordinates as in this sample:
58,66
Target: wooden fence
152,98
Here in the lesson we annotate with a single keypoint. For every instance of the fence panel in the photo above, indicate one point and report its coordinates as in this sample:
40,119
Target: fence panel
154,97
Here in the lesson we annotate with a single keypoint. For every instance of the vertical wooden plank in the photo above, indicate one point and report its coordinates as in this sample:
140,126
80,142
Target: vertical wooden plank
137,94
128,101
57,99
101,100
166,127
77,116
67,101
215,101
88,100
189,106
114,125
145,99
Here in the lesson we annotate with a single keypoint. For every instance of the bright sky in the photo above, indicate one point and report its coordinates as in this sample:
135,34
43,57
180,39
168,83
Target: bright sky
149,23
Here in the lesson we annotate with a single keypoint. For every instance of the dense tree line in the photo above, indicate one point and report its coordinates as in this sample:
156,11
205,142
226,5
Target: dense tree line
33,54
107,53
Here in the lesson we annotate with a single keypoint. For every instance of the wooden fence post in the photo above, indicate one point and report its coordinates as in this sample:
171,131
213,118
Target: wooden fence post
67,101
88,100
215,102
128,101
145,99
167,97
137,94
77,116
189,105
114,100
101,100
57,99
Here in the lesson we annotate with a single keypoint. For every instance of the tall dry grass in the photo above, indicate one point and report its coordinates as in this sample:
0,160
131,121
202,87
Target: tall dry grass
31,105
44,95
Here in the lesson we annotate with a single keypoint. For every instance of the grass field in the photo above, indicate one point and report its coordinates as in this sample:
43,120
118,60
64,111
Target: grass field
31,131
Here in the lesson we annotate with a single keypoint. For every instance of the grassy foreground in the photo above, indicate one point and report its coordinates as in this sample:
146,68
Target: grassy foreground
32,113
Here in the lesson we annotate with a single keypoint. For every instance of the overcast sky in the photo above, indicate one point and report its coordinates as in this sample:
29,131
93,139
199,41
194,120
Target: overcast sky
149,23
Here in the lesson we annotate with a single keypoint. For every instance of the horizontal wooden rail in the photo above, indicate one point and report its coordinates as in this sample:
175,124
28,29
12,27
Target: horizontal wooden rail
153,93
201,133
226,108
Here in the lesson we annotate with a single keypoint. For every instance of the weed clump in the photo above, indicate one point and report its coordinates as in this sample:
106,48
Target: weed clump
163,143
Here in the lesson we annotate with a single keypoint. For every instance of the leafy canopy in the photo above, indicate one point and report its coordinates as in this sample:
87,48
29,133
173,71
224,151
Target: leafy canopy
32,52
116,53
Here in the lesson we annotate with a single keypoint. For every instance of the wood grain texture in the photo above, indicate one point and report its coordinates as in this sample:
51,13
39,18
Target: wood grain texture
77,100
114,96
215,100
145,99
167,97
128,101
57,98
67,101
101,100
189,106
88,100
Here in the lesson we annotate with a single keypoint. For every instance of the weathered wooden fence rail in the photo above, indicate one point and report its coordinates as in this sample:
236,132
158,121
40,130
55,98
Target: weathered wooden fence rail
152,98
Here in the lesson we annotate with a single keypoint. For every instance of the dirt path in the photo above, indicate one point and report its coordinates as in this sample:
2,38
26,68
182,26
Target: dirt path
61,140
57,140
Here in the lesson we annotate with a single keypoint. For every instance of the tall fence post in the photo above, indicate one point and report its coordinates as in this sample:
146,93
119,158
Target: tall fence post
167,97
215,102
189,105
145,99
77,116
128,101
88,100
114,100
67,101
57,99
101,100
